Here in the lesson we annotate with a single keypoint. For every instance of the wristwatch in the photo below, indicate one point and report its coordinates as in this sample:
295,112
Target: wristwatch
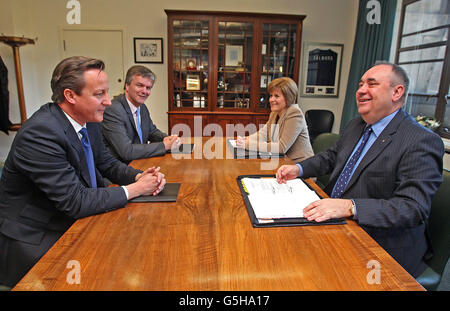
352,208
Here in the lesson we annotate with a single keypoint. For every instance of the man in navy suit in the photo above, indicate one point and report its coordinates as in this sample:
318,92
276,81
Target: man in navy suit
385,169
128,130
54,171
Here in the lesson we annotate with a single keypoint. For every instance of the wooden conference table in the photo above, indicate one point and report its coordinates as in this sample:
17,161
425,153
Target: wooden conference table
205,241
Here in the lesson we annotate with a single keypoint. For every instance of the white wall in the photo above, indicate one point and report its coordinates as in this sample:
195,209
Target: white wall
332,21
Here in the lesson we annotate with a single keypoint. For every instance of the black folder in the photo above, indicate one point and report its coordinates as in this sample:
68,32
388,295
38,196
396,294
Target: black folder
183,148
169,194
280,222
240,153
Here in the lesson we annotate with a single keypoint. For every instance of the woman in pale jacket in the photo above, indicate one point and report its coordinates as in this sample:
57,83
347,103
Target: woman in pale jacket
286,130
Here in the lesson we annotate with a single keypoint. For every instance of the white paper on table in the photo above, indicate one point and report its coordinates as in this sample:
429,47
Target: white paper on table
270,199
233,143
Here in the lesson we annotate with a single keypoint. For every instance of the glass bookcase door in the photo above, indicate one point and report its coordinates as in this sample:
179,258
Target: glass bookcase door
190,63
235,49
278,56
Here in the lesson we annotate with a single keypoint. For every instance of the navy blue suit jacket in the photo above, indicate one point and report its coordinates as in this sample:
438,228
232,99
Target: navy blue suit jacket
45,187
392,187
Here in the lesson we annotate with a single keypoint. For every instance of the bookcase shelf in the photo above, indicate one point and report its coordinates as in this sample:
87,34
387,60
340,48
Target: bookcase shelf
220,64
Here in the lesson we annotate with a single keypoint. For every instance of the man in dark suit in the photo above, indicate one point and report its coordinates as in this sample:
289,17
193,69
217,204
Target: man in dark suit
54,171
127,126
385,169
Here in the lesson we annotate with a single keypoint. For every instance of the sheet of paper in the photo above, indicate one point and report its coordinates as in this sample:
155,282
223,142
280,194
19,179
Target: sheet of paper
270,199
233,143
249,153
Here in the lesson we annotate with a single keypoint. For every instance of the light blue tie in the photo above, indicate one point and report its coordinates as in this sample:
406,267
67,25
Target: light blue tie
345,176
89,156
138,123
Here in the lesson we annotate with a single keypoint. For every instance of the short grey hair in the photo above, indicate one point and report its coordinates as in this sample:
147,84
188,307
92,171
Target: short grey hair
139,70
399,73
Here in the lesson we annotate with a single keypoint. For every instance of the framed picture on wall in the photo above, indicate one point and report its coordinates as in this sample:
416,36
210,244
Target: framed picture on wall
148,50
321,69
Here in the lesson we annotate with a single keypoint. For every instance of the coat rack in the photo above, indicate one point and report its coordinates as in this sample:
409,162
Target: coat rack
15,43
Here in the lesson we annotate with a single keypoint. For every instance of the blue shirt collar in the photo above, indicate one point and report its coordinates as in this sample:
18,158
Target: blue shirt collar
380,125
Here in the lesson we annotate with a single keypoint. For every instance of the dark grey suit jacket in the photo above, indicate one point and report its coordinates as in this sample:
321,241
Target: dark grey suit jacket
392,187
120,133
45,187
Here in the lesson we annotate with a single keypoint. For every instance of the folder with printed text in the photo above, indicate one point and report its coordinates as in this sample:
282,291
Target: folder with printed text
270,204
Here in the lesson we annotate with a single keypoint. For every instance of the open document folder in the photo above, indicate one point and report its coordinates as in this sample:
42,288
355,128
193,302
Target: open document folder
270,199
270,204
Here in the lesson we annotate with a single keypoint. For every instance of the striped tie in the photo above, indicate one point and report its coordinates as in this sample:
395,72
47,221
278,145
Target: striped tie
344,178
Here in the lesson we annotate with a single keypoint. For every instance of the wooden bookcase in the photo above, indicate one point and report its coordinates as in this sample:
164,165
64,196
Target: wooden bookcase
220,63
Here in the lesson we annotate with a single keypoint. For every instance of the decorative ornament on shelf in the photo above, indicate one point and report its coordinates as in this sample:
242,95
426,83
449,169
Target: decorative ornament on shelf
191,64
428,122
241,67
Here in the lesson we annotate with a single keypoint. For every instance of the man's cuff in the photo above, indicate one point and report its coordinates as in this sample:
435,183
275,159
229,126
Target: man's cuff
126,191
300,173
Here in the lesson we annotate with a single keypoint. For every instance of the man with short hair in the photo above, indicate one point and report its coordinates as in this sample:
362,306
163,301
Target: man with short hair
54,171
127,126
385,169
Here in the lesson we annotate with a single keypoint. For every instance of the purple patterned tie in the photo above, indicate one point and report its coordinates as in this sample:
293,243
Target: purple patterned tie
344,178
89,156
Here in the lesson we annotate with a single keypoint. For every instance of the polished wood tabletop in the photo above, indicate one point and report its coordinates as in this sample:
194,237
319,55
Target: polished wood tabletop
205,241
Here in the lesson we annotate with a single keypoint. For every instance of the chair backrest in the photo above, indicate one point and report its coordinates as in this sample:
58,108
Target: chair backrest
323,142
439,225
319,121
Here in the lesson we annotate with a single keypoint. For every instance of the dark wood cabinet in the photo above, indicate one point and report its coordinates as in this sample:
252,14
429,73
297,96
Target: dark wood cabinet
220,64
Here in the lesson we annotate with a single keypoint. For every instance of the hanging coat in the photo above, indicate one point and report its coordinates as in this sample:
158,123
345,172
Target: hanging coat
4,98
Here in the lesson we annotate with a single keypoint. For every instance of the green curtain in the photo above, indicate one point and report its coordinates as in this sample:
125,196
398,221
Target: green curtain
372,43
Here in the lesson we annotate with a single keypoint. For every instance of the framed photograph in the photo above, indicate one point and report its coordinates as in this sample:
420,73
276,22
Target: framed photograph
321,69
265,80
148,50
192,83
191,64
233,55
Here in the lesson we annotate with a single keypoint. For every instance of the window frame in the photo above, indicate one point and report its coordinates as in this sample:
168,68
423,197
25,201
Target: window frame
442,95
